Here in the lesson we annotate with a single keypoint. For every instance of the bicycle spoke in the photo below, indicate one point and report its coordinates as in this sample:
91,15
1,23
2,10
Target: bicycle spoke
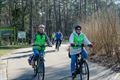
41,71
85,71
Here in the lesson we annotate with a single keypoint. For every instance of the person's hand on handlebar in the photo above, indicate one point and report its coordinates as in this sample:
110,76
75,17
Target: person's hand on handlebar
90,45
72,44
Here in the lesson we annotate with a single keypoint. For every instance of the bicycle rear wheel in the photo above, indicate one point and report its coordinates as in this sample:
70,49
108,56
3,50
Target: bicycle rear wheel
58,48
84,71
41,70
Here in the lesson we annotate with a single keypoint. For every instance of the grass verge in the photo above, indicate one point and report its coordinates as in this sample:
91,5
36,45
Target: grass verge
4,50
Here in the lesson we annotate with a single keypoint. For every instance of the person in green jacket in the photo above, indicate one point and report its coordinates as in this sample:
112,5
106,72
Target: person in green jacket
39,41
78,38
53,37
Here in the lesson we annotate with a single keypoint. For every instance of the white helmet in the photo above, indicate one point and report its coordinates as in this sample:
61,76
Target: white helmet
41,26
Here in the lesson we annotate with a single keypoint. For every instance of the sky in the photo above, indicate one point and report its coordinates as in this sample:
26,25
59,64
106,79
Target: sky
117,2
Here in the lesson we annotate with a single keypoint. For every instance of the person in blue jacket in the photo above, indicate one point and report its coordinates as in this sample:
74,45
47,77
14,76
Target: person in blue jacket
58,38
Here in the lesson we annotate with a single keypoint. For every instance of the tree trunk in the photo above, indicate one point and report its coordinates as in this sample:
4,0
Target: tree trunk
30,26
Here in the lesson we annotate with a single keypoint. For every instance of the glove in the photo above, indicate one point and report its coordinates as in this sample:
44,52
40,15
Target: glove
90,45
72,44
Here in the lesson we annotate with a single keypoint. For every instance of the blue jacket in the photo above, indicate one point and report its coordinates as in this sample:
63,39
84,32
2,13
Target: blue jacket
58,36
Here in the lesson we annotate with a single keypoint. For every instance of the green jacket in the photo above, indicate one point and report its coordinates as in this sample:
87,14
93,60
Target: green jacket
78,40
40,41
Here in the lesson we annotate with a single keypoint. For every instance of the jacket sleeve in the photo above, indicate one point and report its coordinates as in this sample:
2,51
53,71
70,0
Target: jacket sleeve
55,35
61,36
33,40
71,39
86,41
48,40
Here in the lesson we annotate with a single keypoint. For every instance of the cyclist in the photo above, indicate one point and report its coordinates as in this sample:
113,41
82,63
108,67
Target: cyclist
77,38
40,39
58,38
52,38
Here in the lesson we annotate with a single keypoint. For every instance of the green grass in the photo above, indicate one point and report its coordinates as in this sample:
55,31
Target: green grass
4,51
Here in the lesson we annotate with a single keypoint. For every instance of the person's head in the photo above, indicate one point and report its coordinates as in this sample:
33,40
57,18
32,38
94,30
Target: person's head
41,28
58,30
78,29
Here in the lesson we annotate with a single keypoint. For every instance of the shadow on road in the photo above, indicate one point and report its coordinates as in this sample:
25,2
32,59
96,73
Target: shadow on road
52,73
49,51
17,57
61,73
24,54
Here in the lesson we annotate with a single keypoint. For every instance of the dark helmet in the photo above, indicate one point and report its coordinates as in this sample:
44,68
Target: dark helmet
78,27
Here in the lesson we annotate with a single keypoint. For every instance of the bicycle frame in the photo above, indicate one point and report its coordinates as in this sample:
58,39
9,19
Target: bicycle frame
39,68
79,61
79,67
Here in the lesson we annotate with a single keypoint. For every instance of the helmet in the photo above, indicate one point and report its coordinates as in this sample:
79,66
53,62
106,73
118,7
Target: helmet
41,26
77,27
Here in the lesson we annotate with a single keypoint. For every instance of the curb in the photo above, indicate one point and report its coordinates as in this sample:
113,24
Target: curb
3,70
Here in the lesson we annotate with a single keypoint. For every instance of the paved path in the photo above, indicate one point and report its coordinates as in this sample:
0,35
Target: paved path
57,67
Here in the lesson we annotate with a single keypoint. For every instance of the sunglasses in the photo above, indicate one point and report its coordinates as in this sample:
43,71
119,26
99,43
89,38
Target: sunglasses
78,29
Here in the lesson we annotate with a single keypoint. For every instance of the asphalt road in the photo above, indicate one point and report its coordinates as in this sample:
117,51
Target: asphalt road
57,67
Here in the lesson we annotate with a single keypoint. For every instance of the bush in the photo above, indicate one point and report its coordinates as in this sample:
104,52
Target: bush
103,29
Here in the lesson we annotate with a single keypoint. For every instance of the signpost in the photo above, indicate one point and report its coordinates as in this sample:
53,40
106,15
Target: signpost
7,31
21,35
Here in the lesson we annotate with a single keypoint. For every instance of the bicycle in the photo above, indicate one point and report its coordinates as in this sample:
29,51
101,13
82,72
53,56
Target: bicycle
82,68
39,67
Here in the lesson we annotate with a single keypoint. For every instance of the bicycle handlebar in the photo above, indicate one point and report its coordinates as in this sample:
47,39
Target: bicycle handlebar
40,45
83,45
80,45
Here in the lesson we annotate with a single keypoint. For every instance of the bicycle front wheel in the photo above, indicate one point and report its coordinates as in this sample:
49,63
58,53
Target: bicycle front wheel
41,70
84,71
